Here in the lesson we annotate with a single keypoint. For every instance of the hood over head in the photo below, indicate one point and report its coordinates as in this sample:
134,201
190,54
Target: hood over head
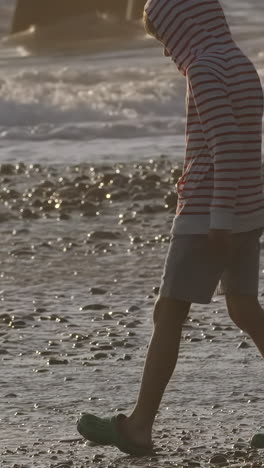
189,28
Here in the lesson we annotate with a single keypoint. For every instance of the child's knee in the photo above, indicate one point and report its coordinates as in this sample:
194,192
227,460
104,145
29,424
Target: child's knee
171,310
245,311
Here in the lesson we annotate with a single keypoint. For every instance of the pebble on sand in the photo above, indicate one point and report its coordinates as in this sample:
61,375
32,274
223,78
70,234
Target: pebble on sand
219,460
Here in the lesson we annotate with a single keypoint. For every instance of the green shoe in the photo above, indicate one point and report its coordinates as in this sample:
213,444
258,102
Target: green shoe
104,431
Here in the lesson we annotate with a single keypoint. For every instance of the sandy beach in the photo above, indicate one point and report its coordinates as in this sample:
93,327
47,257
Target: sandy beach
82,252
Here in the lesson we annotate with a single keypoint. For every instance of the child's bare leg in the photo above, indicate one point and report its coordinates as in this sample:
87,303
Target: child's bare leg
169,316
248,315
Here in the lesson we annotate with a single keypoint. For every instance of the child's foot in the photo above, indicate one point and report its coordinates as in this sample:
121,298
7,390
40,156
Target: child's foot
137,436
111,431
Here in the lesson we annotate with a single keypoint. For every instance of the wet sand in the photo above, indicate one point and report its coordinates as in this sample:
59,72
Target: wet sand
82,252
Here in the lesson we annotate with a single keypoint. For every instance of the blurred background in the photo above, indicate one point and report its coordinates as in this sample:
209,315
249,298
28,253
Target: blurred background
91,77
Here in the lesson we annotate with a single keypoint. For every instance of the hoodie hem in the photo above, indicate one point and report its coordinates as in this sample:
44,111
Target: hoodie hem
200,224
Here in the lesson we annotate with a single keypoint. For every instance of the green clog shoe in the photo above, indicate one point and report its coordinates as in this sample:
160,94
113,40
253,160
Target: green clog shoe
105,431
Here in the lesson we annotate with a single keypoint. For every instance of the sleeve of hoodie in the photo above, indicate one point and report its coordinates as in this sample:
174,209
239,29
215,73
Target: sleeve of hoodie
223,139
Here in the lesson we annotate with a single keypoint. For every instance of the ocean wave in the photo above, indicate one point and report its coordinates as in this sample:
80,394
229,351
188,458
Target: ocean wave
120,130
85,95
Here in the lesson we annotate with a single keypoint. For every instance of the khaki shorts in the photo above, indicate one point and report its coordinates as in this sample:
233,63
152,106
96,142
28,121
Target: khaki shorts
191,273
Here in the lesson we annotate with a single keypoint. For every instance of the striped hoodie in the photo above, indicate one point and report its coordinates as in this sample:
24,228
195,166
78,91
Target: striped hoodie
221,186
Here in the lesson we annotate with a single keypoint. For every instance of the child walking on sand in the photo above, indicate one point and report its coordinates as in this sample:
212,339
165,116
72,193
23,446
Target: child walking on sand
220,209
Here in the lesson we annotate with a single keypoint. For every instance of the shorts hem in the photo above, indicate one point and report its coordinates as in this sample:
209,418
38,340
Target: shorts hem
181,298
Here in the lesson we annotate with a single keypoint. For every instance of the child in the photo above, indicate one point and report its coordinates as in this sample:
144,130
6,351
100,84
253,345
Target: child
220,210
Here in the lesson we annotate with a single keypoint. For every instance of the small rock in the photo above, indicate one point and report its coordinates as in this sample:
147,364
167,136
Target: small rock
133,308
63,216
100,355
26,213
243,345
97,291
171,200
126,357
17,324
5,318
97,458
103,235
107,316
54,361
94,307
40,310
117,343
219,460
7,169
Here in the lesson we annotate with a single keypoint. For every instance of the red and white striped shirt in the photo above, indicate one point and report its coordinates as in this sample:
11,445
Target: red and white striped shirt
221,185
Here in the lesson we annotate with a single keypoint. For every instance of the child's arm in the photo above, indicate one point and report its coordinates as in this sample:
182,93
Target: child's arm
223,137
